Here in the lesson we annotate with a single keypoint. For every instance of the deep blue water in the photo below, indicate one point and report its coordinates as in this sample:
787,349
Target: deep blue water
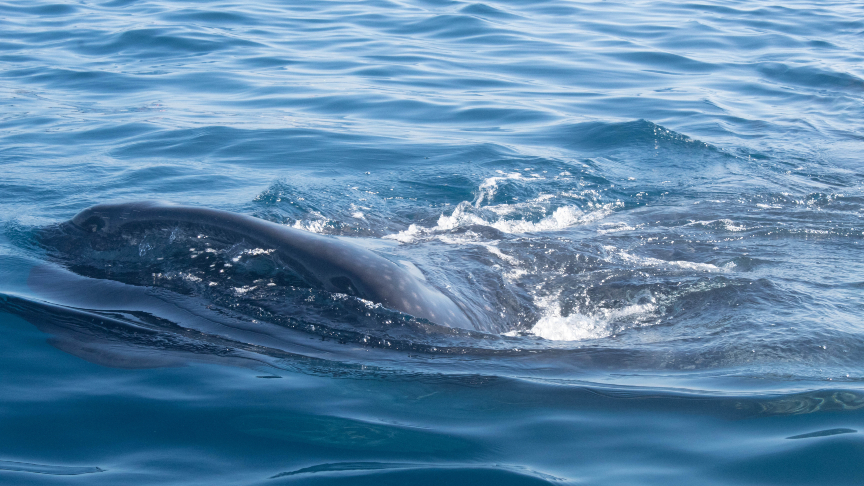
653,212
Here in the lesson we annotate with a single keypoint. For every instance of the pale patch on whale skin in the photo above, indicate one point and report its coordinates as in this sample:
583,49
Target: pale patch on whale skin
329,263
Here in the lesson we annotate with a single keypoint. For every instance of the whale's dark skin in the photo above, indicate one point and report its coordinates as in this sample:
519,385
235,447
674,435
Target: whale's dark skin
325,262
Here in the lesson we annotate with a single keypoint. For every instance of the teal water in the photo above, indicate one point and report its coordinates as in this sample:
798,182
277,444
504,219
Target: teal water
653,213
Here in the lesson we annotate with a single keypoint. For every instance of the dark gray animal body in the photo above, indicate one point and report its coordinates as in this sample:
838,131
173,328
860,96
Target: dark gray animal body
325,262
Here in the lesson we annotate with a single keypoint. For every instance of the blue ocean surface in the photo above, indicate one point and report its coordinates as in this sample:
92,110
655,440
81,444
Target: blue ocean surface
651,212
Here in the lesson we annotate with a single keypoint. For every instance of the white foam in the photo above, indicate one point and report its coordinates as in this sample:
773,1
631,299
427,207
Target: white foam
242,290
408,235
189,277
253,252
368,303
577,327
464,215
356,213
313,226
561,218
727,224
731,226
503,216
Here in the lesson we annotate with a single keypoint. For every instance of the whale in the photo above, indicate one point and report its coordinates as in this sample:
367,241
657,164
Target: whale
323,262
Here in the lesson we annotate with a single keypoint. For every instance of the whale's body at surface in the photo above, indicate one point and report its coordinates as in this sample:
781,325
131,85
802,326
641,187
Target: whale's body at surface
324,262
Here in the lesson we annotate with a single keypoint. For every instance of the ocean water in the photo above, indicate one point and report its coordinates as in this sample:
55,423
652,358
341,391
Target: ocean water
651,211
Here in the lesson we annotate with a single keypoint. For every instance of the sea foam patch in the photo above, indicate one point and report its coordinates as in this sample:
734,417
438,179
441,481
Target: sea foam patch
543,213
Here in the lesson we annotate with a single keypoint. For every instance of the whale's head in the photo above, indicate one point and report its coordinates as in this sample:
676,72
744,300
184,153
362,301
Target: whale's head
107,218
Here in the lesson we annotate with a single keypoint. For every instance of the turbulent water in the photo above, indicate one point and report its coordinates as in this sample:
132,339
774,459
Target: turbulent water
652,214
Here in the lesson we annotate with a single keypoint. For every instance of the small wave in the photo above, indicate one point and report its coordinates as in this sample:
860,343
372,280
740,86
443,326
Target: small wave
725,224
607,228
656,262
48,468
495,473
489,187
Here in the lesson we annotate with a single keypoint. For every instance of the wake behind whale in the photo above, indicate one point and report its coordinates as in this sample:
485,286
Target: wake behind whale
138,243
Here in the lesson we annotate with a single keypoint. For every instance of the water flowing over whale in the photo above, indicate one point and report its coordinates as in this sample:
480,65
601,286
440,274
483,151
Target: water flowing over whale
324,262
